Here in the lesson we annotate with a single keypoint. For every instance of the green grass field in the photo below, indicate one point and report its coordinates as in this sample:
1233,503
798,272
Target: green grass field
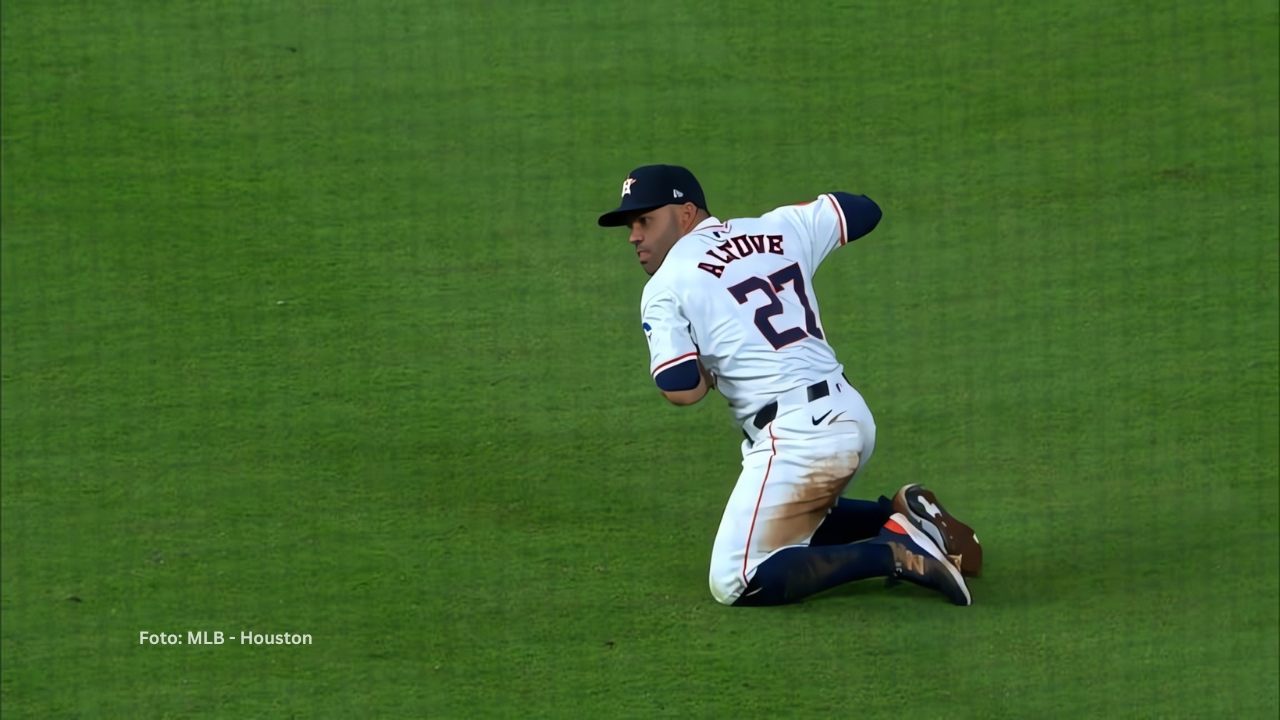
308,327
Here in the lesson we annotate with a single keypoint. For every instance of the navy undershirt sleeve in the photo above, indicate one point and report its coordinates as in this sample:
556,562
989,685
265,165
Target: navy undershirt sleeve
861,214
684,376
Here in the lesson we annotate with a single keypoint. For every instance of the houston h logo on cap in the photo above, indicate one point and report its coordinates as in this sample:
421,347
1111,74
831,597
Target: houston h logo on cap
652,186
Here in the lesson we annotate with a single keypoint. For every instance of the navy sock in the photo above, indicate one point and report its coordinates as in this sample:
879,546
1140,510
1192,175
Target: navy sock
796,573
853,520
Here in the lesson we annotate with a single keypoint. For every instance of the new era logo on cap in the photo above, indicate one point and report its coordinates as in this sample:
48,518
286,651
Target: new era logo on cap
653,186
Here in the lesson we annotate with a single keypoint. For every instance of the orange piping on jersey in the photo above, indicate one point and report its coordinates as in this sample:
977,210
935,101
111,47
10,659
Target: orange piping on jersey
673,361
840,214
773,451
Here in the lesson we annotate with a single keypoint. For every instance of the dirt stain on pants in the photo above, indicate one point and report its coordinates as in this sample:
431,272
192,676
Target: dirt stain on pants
794,521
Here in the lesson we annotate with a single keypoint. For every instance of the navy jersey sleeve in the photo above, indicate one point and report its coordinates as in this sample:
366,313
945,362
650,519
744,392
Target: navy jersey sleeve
861,214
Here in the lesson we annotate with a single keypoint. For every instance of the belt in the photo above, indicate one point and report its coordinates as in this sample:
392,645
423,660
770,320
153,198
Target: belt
766,414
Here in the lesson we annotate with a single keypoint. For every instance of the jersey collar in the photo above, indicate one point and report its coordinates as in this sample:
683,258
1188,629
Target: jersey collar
709,223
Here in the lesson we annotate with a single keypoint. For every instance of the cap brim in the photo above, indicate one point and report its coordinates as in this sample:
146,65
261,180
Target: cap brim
619,217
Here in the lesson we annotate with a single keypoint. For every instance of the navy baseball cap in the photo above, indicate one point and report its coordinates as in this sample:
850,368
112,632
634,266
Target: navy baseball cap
651,187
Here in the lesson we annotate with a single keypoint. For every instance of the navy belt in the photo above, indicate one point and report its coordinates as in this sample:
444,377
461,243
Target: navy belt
767,413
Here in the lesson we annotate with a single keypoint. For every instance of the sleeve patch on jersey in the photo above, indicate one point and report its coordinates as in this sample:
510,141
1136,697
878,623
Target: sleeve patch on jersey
861,214
684,376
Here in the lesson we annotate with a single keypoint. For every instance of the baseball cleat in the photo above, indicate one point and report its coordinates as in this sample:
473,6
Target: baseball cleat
957,540
918,560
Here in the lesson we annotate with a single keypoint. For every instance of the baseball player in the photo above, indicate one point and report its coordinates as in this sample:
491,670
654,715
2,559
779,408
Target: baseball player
730,305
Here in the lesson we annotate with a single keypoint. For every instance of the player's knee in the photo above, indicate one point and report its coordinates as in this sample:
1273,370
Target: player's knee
725,590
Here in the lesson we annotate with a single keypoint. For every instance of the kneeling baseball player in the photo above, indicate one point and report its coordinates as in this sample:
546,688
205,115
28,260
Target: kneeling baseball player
729,305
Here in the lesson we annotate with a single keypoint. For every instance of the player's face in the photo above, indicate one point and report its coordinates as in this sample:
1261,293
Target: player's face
654,233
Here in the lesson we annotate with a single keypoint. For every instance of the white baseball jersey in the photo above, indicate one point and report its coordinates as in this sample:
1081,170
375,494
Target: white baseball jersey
739,296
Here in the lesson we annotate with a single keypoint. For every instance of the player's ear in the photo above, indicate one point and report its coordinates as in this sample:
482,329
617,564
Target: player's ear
688,215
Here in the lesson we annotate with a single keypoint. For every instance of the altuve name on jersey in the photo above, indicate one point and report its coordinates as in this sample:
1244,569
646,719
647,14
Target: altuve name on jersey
743,245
